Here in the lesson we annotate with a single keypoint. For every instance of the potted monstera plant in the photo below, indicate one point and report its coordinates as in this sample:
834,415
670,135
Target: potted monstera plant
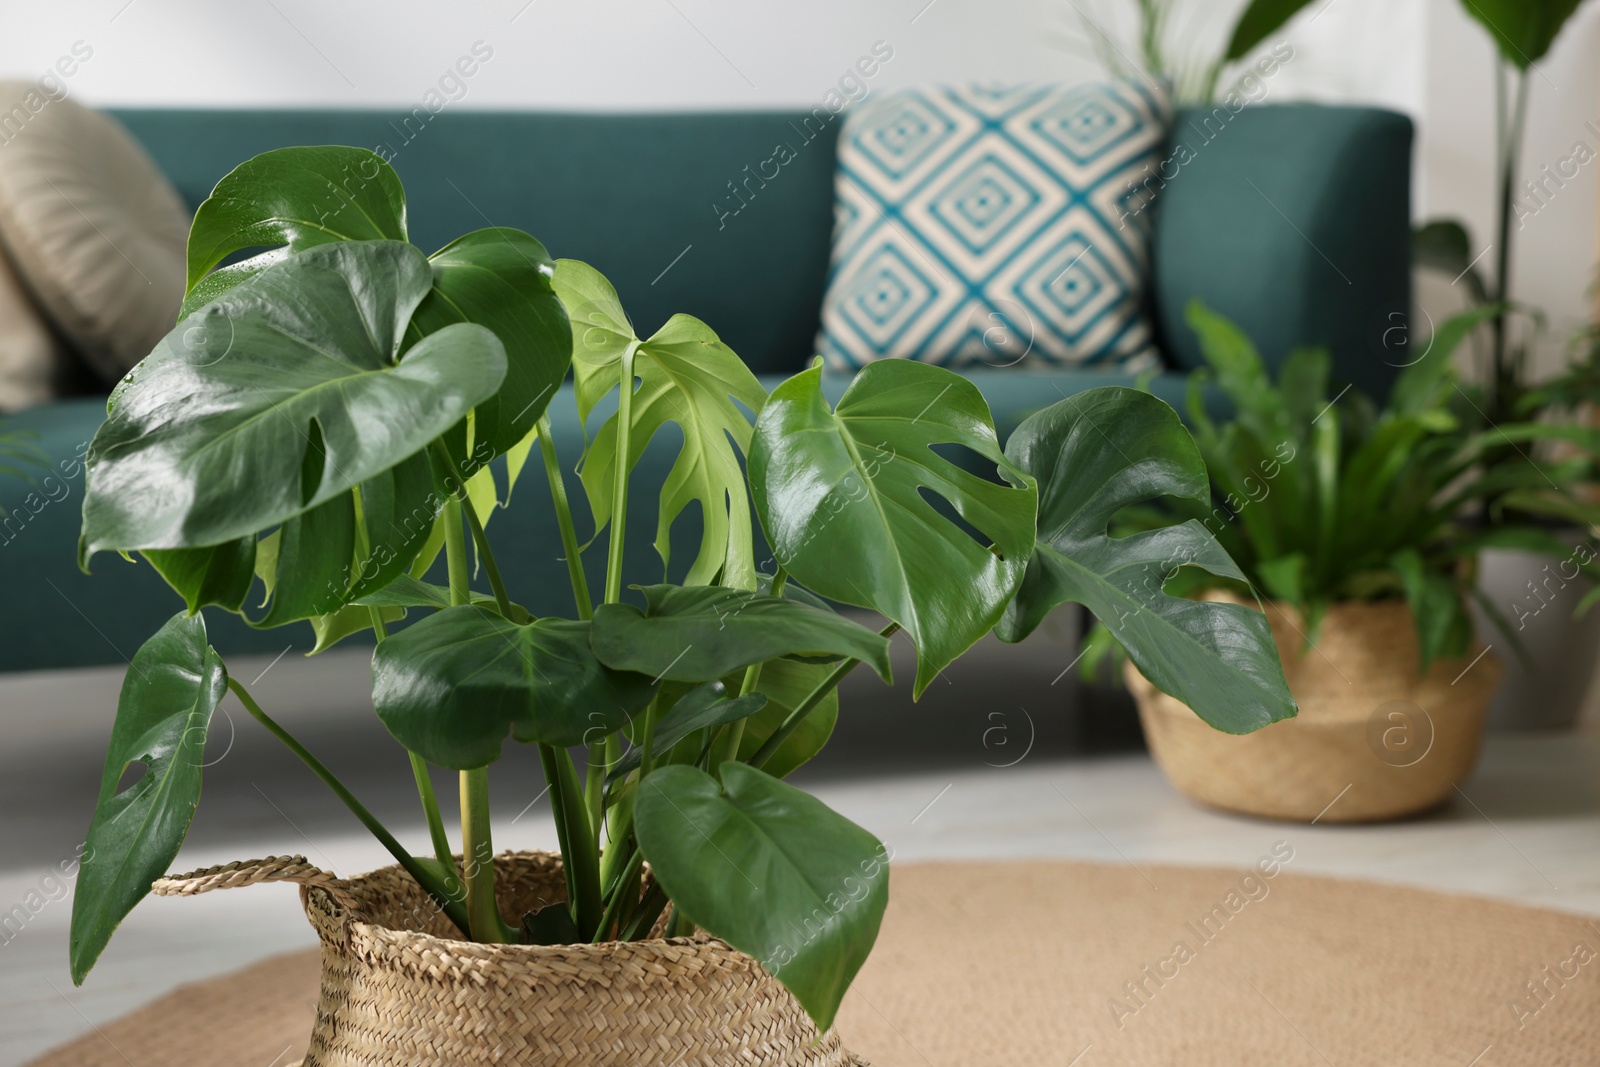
322,423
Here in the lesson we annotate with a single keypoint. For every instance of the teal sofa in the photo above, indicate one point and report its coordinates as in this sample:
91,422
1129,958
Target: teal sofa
1293,220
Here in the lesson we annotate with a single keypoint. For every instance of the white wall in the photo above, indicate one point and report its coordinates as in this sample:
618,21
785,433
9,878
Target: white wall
1423,57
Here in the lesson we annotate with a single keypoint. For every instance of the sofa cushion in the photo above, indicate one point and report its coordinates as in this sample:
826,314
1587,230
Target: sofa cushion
995,226
95,230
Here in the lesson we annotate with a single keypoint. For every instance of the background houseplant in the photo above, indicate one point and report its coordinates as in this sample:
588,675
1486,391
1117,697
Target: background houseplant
333,414
1163,48
1328,501
1524,33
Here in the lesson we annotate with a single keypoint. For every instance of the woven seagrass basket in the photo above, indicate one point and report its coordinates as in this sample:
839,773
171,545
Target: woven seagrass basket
399,990
1375,738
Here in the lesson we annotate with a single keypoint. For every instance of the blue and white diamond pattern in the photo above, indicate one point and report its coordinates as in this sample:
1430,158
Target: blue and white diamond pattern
988,225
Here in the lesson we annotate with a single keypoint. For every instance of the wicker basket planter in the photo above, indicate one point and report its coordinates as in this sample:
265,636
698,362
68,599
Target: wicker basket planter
1375,739
398,990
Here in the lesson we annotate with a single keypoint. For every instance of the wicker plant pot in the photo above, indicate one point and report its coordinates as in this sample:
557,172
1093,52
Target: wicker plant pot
398,990
1375,739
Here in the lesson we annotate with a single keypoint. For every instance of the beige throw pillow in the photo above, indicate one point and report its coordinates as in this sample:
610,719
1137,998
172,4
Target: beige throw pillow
32,359
95,231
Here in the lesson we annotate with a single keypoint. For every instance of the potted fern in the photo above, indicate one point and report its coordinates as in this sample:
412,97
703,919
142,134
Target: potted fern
333,414
1360,526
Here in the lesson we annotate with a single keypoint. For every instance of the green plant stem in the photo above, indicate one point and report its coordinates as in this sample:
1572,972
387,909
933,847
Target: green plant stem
477,844
419,766
581,852
678,926
1512,106
451,906
569,533
477,861
619,896
619,494
731,736
806,706
430,802
455,553
619,845
645,918
558,807
486,557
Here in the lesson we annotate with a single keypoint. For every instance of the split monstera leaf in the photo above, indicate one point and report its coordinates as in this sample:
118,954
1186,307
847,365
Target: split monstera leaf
331,412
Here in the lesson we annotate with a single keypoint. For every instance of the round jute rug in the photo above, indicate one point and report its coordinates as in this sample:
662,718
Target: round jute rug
983,965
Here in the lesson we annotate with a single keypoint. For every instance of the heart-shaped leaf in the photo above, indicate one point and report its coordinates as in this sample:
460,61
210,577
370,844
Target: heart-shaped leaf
500,278
452,686
701,707
1094,454
208,439
687,376
702,633
841,495
173,686
300,197
769,869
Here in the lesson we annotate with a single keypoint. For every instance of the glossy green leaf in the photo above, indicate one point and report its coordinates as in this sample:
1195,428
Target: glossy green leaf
702,633
299,197
844,498
207,440
173,686
220,574
1259,21
1094,454
1523,30
785,683
360,541
501,278
769,869
452,686
328,630
686,376
703,706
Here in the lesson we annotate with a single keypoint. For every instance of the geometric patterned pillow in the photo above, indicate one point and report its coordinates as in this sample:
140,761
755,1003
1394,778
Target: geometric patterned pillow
996,226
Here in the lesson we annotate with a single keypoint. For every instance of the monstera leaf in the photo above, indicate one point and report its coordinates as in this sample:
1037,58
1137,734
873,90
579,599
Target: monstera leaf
1524,30
770,870
841,495
500,278
294,197
452,686
173,686
685,376
279,398
1099,452
702,633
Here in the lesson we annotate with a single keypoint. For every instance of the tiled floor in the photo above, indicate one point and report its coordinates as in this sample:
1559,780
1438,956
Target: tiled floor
1527,830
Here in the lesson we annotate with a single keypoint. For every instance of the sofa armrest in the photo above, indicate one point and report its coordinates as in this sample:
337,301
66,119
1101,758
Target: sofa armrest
1295,222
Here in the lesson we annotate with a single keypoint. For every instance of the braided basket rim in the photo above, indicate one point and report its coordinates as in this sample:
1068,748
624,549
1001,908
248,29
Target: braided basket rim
405,950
